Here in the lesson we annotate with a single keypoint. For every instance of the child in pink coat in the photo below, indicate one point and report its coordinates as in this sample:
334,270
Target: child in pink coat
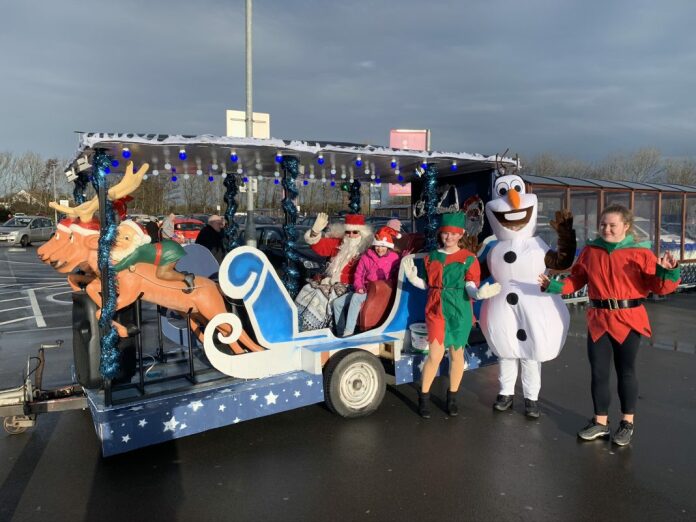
379,263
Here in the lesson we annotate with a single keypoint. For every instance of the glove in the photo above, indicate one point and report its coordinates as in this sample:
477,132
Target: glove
563,220
320,223
412,273
486,291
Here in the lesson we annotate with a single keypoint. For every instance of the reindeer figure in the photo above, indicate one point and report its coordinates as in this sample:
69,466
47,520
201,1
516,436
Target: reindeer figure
78,248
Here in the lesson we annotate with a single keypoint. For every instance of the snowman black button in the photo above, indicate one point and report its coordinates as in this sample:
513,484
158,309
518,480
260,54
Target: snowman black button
512,298
521,334
510,257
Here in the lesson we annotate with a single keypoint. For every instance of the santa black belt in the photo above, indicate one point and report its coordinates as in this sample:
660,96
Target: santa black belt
615,304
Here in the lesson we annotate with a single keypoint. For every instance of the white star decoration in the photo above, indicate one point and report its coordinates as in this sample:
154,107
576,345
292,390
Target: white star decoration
221,407
182,427
420,365
310,382
142,423
125,438
236,420
254,397
270,398
171,424
298,393
410,362
196,405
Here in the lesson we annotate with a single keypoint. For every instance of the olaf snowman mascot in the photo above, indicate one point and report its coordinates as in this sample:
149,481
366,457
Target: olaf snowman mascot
523,325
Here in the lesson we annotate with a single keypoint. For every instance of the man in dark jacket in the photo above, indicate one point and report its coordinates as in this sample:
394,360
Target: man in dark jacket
210,237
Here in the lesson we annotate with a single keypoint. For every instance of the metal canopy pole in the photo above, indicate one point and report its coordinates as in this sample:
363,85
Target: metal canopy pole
250,229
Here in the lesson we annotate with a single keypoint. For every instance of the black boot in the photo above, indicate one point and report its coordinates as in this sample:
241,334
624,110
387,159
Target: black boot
452,408
424,404
188,279
531,409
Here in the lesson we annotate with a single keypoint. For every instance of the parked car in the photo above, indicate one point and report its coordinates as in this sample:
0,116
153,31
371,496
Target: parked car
24,230
271,240
186,230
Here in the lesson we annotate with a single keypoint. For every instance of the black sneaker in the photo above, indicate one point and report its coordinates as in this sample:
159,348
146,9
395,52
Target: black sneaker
503,402
531,409
452,408
594,431
624,433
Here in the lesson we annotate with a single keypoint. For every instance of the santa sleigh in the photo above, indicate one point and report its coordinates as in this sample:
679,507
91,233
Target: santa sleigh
241,349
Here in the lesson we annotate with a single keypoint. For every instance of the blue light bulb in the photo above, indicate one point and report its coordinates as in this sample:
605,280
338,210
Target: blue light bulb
453,167
107,170
211,178
278,157
358,162
234,158
126,153
182,155
114,163
173,169
393,164
400,178
173,178
378,181
245,179
320,160
424,164
276,181
333,183
305,182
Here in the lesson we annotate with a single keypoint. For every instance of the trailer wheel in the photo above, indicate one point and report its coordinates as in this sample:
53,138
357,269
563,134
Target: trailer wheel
354,383
9,424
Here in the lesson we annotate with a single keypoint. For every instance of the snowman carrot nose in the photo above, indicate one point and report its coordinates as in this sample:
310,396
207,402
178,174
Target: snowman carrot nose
514,198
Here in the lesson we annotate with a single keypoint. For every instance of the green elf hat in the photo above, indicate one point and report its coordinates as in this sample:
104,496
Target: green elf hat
454,222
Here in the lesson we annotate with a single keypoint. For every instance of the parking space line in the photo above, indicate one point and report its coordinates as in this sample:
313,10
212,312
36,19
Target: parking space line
15,308
40,323
17,320
13,299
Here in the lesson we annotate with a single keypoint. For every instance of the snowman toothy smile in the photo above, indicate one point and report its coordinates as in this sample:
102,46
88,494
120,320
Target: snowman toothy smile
514,219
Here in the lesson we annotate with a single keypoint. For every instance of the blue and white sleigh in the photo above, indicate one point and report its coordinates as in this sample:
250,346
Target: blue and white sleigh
247,275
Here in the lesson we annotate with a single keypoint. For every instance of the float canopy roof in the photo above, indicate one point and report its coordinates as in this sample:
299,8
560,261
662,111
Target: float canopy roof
257,157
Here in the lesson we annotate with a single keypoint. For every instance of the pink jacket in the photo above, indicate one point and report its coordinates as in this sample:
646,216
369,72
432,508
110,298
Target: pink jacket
371,267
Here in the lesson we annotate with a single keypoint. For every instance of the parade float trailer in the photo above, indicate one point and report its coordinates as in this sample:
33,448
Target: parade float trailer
247,358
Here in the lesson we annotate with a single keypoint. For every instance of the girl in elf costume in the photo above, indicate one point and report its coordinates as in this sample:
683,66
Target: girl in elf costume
618,273
453,276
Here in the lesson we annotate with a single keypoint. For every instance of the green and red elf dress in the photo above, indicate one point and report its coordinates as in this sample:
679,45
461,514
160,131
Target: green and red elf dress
622,271
448,310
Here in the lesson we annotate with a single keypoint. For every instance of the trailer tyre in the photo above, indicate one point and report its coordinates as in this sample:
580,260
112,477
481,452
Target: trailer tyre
354,383
8,423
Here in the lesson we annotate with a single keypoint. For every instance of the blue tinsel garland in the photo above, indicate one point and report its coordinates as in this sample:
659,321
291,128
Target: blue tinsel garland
354,204
430,192
79,190
231,235
109,365
291,275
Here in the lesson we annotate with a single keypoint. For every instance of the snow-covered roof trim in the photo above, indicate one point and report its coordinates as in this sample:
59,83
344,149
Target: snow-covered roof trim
205,151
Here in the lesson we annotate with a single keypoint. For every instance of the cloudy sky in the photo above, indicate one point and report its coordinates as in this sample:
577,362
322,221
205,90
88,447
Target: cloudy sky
581,79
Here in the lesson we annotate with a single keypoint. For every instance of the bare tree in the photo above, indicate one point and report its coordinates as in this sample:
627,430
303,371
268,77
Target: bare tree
682,172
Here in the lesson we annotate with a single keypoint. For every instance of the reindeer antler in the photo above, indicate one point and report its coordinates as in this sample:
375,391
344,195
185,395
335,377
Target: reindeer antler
128,184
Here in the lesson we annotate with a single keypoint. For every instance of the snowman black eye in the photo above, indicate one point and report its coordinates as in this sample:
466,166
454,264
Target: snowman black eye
502,191
517,188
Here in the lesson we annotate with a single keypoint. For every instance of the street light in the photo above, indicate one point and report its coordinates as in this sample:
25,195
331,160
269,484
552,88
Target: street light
250,229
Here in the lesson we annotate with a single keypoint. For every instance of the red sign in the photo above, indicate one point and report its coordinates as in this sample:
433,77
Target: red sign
409,139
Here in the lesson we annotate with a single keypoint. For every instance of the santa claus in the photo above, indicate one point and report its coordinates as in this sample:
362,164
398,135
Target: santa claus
343,244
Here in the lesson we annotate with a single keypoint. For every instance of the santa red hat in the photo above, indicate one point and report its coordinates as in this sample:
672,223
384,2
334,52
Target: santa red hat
385,236
143,238
355,222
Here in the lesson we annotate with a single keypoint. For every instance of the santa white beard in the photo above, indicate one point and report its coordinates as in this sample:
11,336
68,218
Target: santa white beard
351,247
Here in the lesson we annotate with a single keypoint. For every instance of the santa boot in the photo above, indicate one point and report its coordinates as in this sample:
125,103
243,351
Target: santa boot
424,404
188,279
452,408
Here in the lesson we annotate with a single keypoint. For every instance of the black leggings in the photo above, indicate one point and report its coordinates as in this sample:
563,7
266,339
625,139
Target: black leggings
600,354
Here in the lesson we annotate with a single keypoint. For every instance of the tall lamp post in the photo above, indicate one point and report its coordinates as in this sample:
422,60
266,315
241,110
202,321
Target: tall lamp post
250,229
